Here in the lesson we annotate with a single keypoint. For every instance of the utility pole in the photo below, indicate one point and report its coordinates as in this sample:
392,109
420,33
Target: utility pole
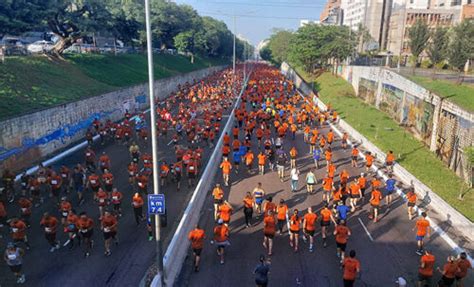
154,143
233,64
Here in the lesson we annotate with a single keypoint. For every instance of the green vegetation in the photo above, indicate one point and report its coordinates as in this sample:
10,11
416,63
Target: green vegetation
380,129
29,84
462,95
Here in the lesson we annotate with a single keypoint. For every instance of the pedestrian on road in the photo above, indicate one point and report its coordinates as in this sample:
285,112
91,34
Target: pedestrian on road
218,195
137,204
389,189
64,208
269,230
375,199
281,161
261,163
79,181
351,268
258,195
422,229
425,271
18,231
50,224
354,155
261,272
13,256
70,228
294,175
326,218
310,181
109,227
309,227
448,272
463,267
85,225
411,202
226,167
117,201
293,155
282,215
342,232
295,225
197,236
225,212
317,157
221,238
248,209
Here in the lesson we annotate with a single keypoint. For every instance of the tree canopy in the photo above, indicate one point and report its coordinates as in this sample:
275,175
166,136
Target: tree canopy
173,25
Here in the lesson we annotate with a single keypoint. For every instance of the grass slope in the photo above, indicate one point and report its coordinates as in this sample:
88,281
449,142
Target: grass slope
384,132
28,84
462,95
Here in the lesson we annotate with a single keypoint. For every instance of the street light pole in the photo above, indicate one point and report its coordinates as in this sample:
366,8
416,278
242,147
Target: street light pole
233,62
154,143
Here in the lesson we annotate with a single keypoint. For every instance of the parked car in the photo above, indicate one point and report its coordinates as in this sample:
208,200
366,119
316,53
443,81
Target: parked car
40,46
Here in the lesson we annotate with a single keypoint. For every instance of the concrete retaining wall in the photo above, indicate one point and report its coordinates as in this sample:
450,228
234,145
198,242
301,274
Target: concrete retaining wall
447,212
27,139
443,126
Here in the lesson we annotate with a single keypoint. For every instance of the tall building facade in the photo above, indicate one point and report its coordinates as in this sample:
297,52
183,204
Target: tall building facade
332,13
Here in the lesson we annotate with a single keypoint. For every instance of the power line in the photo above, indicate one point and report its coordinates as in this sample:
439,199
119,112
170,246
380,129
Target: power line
257,16
268,4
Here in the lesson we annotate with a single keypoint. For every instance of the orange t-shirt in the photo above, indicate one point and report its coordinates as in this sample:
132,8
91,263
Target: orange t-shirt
218,193
196,237
295,223
269,226
225,211
248,202
355,189
310,219
351,265
376,197
221,233
429,261
282,211
342,233
422,227
261,159
325,214
226,167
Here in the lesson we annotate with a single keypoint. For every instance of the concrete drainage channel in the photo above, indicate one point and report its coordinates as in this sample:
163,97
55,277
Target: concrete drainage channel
462,224
177,250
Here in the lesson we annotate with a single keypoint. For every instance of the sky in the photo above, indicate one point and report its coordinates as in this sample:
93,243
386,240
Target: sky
255,19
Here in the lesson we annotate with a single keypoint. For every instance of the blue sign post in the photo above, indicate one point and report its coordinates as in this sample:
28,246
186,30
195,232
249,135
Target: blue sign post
156,204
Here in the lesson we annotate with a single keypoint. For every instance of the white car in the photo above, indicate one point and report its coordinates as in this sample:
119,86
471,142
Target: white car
40,46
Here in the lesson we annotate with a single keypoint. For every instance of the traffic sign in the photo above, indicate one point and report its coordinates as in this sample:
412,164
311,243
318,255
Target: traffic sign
156,204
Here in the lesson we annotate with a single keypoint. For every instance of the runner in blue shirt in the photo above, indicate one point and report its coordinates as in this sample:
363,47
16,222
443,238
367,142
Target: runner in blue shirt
317,156
237,158
342,211
389,189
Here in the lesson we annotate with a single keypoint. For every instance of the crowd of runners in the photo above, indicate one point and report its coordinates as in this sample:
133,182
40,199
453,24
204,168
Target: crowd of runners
262,141
190,119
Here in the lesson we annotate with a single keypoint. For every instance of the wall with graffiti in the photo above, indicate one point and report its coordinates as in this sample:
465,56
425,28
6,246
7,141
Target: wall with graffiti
367,90
27,139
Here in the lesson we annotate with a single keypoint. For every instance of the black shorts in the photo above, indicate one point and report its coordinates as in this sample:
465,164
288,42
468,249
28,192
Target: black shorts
108,235
375,207
446,281
191,175
411,204
354,157
348,283
341,246
218,201
270,235
425,278
296,232
108,187
87,234
15,268
309,232
325,223
197,252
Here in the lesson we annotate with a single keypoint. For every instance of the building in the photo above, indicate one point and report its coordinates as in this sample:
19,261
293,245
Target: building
374,15
306,22
467,11
434,14
332,13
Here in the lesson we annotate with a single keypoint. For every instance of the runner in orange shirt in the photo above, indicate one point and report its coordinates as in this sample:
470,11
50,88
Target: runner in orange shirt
411,202
355,194
345,140
342,232
137,204
369,160
390,161
248,209
109,227
225,211
261,163
248,157
330,137
425,271
449,272
326,218
269,229
354,155
309,227
328,187
226,167
295,225
351,268
282,215
463,267
196,236
221,238
328,155
375,199
218,196
422,229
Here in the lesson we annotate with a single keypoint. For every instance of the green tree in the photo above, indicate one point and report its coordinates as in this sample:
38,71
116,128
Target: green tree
461,47
438,47
418,34
266,53
279,45
184,42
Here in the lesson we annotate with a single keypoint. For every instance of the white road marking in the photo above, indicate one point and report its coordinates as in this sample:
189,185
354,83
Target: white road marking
170,142
366,230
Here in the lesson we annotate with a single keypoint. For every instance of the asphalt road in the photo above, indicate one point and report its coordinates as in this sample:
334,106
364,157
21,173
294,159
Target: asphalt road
391,253
134,254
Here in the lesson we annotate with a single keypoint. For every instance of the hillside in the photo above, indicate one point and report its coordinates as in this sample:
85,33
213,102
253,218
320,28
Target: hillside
28,84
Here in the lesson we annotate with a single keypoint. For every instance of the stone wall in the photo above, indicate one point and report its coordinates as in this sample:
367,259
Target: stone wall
443,126
29,138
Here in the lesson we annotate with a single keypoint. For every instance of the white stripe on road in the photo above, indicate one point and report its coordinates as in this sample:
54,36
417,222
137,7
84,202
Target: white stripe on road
366,230
170,142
